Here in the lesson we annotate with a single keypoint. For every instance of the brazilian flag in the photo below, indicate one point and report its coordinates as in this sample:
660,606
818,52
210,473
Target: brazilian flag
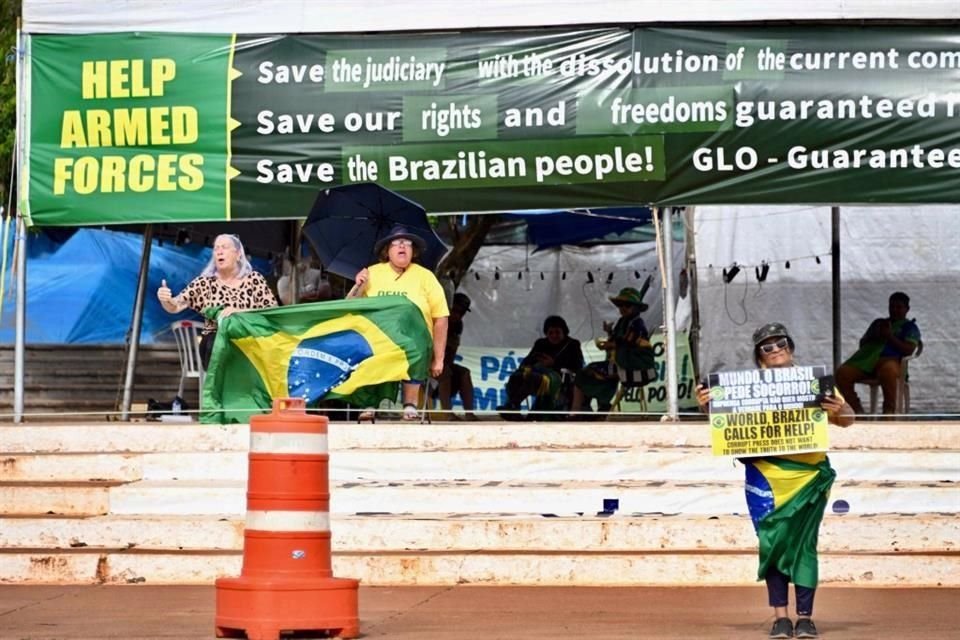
786,497
356,350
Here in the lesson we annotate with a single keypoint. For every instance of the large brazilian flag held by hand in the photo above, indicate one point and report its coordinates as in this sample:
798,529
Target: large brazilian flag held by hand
356,349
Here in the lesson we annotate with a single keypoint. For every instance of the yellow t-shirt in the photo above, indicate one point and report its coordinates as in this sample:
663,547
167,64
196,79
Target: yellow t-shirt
416,283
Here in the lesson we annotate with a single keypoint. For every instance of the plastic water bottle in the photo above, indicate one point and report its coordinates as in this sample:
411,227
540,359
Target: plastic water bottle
177,406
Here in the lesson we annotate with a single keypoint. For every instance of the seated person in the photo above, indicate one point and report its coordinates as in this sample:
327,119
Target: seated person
455,378
628,348
311,286
886,342
541,373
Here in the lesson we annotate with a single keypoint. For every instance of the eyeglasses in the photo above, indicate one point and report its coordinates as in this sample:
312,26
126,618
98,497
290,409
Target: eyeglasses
774,346
401,243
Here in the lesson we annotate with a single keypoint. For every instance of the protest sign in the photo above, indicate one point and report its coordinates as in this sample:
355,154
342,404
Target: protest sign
761,412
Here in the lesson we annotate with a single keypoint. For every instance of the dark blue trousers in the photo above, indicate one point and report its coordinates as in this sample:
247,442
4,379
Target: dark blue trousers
778,589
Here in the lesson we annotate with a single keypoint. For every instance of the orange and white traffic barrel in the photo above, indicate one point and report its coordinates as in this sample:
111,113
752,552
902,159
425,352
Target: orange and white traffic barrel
286,583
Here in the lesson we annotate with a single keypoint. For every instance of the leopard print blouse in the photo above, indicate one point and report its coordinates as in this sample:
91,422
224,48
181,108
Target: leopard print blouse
203,292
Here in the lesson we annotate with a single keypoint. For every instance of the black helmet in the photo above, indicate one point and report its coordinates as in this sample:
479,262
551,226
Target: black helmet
772,330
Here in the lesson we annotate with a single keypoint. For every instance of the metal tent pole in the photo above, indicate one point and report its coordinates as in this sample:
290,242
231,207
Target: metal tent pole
20,320
690,245
19,338
133,339
835,276
669,315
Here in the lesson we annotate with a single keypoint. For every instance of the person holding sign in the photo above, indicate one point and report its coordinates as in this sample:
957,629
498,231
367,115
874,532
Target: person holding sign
786,497
886,342
629,350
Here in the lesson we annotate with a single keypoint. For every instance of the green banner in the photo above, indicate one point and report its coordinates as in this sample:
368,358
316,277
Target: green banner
128,128
167,127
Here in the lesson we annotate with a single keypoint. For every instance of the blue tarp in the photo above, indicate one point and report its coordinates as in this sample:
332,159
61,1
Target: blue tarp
549,228
81,291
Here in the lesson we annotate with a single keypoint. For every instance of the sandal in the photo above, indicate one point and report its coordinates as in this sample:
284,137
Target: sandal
410,413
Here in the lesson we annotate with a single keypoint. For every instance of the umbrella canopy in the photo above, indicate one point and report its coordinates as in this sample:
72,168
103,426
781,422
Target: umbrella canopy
346,222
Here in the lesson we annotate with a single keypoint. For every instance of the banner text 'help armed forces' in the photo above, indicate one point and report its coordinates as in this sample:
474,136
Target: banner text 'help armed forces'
167,127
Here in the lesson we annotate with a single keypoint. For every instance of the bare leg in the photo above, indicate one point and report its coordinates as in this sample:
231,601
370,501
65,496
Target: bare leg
576,405
411,392
466,393
444,391
846,378
888,373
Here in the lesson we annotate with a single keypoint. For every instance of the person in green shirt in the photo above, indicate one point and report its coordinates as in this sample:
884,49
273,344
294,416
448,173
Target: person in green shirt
628,350
882,348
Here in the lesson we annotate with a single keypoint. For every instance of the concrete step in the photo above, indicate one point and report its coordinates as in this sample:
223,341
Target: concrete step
59,498
112,437
487,533
84,378
75,379
677,464
118,566
388,436
494,496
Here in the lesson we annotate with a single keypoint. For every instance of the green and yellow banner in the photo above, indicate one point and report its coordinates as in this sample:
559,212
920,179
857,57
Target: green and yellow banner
149,127
354,350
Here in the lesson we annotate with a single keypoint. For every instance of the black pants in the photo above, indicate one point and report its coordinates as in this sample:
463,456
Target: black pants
778,589
206,348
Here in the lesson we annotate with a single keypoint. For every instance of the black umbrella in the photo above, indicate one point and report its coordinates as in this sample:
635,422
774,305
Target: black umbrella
346,222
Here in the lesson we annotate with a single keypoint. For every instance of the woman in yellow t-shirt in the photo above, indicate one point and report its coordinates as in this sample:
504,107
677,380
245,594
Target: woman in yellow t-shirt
397,273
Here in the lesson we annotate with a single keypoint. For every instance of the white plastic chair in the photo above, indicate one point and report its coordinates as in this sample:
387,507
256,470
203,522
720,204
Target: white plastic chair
187,335
902,403
630,379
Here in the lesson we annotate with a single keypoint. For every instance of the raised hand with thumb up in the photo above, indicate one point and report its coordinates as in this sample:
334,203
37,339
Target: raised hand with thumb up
165,296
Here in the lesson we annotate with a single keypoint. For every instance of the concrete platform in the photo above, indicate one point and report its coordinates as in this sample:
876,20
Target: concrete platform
140,612
492,533
482,549
469,503
384,436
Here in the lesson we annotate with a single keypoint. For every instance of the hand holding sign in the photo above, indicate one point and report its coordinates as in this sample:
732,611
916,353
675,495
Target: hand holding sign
703,395
775,411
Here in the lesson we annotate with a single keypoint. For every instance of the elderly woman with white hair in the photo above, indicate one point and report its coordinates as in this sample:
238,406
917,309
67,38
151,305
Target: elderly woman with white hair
228,281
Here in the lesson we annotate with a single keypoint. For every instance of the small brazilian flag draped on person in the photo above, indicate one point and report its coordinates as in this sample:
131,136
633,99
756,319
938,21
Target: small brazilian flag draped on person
786,497
356,350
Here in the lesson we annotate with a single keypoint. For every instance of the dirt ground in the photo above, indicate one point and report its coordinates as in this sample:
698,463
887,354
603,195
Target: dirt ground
492,613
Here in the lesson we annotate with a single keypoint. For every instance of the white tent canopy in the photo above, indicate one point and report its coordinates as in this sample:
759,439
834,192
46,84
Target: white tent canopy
345,16
509,312
883,249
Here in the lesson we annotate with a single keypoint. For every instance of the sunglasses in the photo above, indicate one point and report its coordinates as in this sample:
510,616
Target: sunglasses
401,243
774,346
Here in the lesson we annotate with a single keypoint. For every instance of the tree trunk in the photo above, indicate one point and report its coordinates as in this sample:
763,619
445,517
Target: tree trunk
466,243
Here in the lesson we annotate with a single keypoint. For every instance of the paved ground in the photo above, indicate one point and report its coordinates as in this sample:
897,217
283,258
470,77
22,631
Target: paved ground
490,613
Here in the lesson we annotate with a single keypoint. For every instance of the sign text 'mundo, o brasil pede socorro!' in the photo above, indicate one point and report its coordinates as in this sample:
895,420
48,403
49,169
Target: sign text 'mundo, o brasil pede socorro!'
150,127
761,412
